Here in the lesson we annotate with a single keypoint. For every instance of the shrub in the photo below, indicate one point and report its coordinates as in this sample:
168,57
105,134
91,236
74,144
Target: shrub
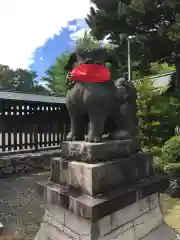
158,164
173,170
157,113
171,150
156,151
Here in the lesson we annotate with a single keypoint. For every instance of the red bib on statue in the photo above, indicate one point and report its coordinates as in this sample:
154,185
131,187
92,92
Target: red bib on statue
90,73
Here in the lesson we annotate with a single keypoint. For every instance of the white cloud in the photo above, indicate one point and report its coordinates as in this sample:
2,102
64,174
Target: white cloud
72,28
81,23
78,34
27,24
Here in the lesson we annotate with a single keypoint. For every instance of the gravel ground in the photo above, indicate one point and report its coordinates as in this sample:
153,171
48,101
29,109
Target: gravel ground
21,209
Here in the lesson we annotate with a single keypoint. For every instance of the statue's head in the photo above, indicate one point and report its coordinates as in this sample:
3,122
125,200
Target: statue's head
93,55
90,55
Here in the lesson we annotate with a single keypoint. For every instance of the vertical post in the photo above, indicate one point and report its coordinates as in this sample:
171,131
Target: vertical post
129,59
177,64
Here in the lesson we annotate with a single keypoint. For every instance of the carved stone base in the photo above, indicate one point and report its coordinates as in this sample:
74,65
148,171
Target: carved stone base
103,191
95,208
103,151
95,179
1,228
141,220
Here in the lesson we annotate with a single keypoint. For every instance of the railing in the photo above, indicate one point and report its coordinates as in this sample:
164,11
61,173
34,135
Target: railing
31,124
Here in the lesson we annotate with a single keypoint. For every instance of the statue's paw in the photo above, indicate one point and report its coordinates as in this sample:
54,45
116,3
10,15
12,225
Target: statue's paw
71,137
121,135
93,139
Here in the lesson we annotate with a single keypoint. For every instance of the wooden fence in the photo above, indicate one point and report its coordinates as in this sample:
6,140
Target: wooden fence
31,121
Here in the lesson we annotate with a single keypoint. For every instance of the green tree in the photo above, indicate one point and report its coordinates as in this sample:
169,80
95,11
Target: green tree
56,76
155,25
87,41
158,113
23,80
20,80
6,75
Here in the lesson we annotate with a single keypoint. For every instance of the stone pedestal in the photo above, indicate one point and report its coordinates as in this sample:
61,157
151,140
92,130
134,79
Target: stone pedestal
1,228
108,198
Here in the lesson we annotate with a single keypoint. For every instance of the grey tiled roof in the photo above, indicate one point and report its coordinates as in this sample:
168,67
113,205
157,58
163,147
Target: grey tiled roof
30,97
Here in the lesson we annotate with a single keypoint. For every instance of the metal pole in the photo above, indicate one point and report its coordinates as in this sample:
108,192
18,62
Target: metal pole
129,59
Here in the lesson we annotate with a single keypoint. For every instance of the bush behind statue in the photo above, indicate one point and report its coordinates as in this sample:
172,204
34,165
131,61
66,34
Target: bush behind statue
169,163
158,113
171,150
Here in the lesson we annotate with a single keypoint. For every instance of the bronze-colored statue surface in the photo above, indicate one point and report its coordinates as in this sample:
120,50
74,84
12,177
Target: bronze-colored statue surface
102,103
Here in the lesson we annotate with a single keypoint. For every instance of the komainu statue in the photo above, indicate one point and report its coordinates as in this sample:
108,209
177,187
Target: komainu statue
93,95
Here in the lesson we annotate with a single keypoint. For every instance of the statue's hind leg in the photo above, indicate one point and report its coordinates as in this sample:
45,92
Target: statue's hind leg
120,131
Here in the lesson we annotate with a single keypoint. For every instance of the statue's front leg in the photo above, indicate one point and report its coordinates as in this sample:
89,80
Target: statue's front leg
76,119
77,131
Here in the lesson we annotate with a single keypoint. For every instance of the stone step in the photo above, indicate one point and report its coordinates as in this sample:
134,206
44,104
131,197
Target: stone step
95,179
95,208
131,223
103,151
18,163
1,228
163,232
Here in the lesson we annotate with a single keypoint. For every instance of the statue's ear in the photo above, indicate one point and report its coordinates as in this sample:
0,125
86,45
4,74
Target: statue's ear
71,61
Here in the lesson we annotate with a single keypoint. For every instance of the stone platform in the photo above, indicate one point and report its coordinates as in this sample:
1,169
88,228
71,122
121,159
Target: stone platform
141,220
93,152
95,179
103,191
95,208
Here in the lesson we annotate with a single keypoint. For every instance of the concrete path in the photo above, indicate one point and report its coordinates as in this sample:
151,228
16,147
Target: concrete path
21,209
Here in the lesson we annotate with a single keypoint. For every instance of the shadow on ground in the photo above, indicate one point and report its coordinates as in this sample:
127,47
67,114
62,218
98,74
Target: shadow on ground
21,209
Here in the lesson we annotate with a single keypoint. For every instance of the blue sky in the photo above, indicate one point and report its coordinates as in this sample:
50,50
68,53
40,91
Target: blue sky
44,56
34,33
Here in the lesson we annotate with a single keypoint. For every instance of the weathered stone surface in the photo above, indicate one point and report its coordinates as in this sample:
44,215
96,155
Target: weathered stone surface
103,205
49,232
129,213
163,232
1,228
147,222
20,168
60,170
55,211
71,233
5,162
26,162
126,229
91,152
97,178
8,170
78,224
140,224
154,201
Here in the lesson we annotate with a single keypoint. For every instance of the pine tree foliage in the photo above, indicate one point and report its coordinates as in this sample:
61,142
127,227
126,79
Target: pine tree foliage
155,25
